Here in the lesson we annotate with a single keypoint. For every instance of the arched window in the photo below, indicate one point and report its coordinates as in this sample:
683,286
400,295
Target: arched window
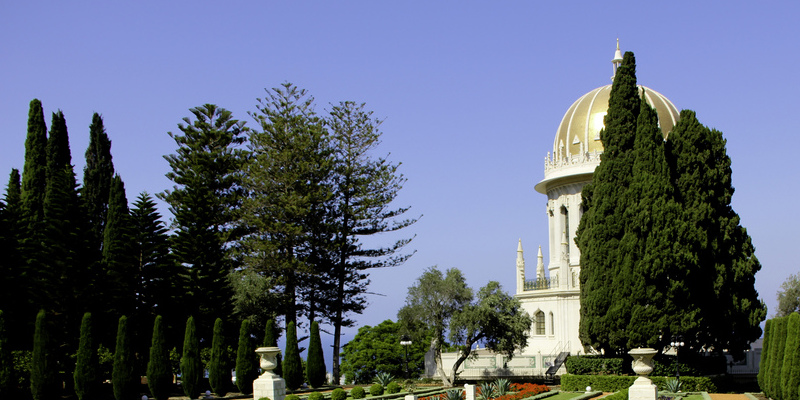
552,324
539,322
565,226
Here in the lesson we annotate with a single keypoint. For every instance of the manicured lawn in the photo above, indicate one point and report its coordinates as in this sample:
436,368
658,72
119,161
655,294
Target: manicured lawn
564,396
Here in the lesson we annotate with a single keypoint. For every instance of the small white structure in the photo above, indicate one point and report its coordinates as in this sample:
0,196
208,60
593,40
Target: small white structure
269,384
642,364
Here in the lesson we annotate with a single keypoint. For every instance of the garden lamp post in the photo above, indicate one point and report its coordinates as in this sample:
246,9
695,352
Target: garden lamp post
405,341
677,343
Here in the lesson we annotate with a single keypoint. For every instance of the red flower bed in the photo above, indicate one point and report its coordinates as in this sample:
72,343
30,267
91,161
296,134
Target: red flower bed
521,391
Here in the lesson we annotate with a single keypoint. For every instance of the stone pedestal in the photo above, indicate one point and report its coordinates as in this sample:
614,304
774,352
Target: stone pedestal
268,384
642,388
469,391
410,397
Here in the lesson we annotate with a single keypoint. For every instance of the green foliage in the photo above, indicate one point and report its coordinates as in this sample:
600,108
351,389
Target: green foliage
315,360
383,378
292,397
191,367
123,377
777,349
7,384
218,371
338,394
357,392
454,394
155,265
97,175
292,365
22,361
86,376
118,253
488,391
393,387
377,349
271,335
673,385
245,360
764,364
159,372
206,169
315,396
620,395
614,383
376,389
437,303
501,386
254,296
43,385
789,296
790,373
593,365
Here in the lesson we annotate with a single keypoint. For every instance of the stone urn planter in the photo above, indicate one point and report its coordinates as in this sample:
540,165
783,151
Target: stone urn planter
642,388
269,384
268,358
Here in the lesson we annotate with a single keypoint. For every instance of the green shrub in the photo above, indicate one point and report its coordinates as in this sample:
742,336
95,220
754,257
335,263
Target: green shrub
292,397
594,365
316,396
219,376
376,389
338,394
42,371
159,371
264,398
454,394
357,392
605,383
245,360
393,388
621,395
315,360
292,364
86,365
123,377
383,378
191,369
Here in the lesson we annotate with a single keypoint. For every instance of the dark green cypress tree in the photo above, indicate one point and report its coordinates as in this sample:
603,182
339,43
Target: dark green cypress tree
118,254
97,176
721,251
11,264
191,367
245,360
292,364
86,375
315,361
7,384
271,335
777,348
790,373
219,377
34,185
764,365
159,373
206,170
43,382
123,376
605,268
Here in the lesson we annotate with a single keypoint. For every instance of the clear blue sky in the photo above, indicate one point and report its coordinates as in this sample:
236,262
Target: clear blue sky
472,94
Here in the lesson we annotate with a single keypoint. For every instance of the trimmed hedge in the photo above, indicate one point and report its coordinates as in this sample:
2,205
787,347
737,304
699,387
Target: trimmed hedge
594,365
357,392
615,383
292,397
338,394
316,396
376,389
393,387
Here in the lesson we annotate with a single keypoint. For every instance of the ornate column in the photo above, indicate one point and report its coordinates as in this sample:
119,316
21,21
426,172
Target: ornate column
269,384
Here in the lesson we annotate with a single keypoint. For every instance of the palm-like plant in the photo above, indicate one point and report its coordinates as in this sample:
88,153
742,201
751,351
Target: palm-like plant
502,387
673,385
487,390
383,378
454,394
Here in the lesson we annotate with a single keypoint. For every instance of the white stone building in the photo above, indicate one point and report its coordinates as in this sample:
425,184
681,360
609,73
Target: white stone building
550,293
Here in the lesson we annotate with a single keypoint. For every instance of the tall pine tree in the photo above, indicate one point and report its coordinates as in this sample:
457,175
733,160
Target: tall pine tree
97,176
11,264
206,170
118,256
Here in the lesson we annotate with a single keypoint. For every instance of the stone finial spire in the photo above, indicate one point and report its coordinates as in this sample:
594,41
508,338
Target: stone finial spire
540,265
520,268
617,61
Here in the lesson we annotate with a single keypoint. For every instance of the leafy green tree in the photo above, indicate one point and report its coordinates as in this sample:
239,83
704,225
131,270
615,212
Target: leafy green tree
7,384
43,380
288,182
123,376
292,364
363,187
206,170
86,375
789,296
159,373
191,367
764,364
11,264
315,360
790,373
444,303
245,360
271,335
377,349
254,296
219,376
718,246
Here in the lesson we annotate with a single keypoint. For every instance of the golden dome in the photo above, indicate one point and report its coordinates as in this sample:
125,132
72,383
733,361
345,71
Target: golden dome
579,131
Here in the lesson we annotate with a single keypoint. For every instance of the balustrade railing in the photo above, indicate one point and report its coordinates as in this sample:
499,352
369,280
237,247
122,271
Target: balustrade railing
540,284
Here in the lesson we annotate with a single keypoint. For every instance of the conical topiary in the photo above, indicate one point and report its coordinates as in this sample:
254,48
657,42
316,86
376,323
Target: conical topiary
271,336
123,378
245,360
159,374
191,368
218,375
86,376
292,364
315,362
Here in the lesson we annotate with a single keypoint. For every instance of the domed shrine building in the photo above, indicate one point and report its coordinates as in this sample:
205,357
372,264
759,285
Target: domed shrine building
550,293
